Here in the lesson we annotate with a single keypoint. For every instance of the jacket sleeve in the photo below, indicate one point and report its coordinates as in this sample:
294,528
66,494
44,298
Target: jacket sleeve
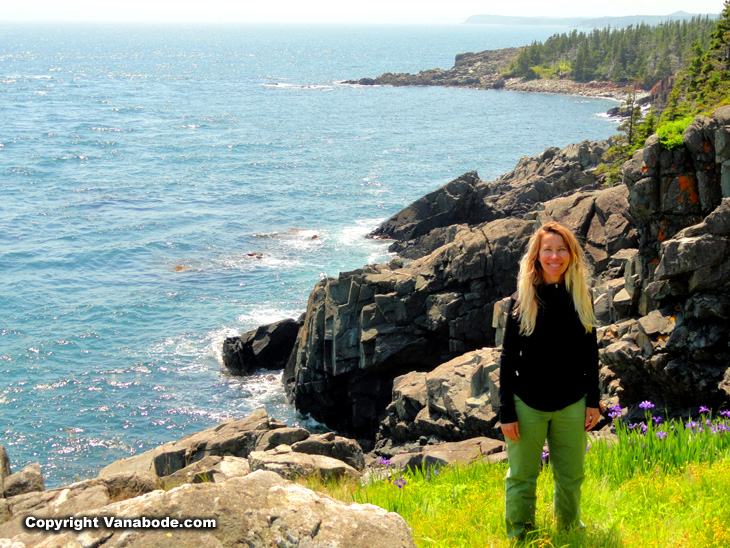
593,391
508,363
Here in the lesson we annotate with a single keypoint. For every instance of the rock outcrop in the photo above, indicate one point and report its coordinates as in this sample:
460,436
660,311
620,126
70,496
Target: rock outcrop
658,248
266,347
486,70
258,510
78,498
27,480
369,326
481,70
440,216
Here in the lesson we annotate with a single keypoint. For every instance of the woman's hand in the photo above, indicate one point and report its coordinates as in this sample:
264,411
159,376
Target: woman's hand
511,431
593,415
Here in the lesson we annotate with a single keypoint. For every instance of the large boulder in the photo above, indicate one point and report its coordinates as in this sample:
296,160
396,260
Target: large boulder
27,480
462,452
454,402
78,498
259,510
211,468
236,438
290,464
266,347
331,445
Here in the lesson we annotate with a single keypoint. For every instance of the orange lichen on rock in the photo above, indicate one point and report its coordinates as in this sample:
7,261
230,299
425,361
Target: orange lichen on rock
688,188
706,146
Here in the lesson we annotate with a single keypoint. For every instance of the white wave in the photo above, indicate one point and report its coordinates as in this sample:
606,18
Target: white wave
283,85
306,421
607,116
263,315
358,231
215,341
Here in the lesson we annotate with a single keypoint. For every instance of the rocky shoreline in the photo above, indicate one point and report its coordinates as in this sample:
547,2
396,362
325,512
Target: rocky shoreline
401,359
484,69
402,355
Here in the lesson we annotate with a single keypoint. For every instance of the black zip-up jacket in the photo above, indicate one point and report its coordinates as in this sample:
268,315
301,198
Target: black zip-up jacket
555,366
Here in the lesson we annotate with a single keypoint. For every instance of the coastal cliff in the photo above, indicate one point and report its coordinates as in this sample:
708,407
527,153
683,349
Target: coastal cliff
657,245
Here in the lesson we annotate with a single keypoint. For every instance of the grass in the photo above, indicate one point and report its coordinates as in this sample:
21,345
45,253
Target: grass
658,496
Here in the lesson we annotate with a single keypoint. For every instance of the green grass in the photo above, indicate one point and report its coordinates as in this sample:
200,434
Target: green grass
656,496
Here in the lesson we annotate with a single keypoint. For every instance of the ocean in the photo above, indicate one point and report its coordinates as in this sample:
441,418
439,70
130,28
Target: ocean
164,187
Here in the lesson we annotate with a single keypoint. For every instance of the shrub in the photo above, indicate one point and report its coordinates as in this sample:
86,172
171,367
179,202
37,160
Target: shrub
670,134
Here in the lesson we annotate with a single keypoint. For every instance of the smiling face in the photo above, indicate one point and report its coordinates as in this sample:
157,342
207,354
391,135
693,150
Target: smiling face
554,257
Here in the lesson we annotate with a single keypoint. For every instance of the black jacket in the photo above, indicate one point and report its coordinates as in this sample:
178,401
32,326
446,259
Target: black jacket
555,366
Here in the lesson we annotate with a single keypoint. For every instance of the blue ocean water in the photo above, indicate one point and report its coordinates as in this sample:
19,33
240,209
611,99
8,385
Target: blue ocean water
163,187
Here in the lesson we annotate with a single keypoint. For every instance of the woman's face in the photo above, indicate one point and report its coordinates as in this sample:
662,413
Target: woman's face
554,257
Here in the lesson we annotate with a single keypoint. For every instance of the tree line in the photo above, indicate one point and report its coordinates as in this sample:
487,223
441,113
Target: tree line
641,54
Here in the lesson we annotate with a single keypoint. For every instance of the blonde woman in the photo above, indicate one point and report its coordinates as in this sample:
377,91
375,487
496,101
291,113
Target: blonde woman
549,377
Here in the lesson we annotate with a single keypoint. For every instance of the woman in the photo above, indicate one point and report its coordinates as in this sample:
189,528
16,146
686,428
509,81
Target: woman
549,377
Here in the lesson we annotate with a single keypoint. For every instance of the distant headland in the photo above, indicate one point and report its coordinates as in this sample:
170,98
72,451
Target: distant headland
583,22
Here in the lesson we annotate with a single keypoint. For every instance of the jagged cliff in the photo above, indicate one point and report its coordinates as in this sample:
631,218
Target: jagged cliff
658,245
403,352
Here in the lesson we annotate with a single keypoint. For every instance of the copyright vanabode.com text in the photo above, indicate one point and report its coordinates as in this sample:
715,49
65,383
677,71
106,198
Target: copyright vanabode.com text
110,522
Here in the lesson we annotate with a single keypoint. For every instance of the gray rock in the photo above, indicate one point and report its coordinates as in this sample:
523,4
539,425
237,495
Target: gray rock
4,467
336,447
78,498
259,510
455,401
234,437
212,468
464,452
451,204
266,347
289,464
369,326
27,480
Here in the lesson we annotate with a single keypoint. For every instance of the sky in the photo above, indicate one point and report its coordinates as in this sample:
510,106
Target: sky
329,11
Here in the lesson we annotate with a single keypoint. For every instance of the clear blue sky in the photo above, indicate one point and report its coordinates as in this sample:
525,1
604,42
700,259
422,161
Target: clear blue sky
368,11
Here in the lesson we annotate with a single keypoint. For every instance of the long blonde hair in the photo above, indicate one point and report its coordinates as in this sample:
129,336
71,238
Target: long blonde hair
530,276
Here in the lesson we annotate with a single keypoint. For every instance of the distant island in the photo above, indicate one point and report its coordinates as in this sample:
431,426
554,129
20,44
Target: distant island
599,22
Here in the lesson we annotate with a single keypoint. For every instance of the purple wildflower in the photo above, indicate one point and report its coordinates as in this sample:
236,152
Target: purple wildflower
646,405
691,425
545,455
384,462
643,428
661,434
615,411
704,409
725,413
657,420
400,482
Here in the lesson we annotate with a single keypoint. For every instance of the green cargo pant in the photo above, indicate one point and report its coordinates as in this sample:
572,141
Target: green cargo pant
566,437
